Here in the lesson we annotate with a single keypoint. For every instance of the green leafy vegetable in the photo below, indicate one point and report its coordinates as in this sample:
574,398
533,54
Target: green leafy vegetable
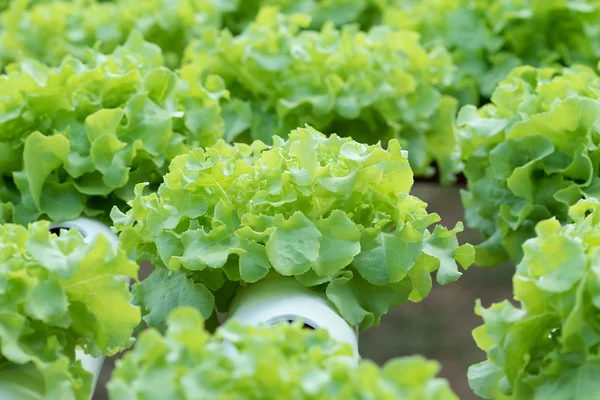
364,12
333,213
76,138
530,155
4,4
371,86
57,294
50,30
282,361
488,38
548,347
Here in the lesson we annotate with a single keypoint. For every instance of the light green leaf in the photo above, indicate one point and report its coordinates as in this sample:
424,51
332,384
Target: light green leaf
387,257
201,249
47,302
312,208
186,362
163,291
59,294
340,242
104,273
544,348
237,116
293,247
254,262
41,156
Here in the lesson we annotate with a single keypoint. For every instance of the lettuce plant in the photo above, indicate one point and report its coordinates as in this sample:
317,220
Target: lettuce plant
530,155
282,361
50,30
488,38
371,86
333,213
4,4
363,12
548,347
76,138
58,293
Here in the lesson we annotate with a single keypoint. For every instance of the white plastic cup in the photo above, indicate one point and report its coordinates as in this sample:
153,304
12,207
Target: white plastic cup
272,300
89,228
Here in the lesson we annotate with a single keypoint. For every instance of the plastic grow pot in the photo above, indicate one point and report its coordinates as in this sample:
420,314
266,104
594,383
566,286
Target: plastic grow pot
273,300
89,228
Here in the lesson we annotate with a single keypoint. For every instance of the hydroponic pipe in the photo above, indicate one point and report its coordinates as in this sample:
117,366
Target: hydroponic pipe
272,300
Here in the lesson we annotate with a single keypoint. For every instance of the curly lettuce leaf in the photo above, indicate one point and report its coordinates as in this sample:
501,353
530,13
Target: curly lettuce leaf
371,86
262,362
50,30
59,293
547,347
331,212
488,38
529,155
241,13
76,139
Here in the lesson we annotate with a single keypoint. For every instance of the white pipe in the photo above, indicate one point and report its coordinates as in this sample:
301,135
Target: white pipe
273,300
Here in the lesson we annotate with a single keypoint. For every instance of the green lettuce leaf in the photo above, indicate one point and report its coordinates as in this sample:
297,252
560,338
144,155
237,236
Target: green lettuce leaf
282,361
331,212
241,13
372,86
75,139
547,347
50,30
488,38
529,155
57,294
